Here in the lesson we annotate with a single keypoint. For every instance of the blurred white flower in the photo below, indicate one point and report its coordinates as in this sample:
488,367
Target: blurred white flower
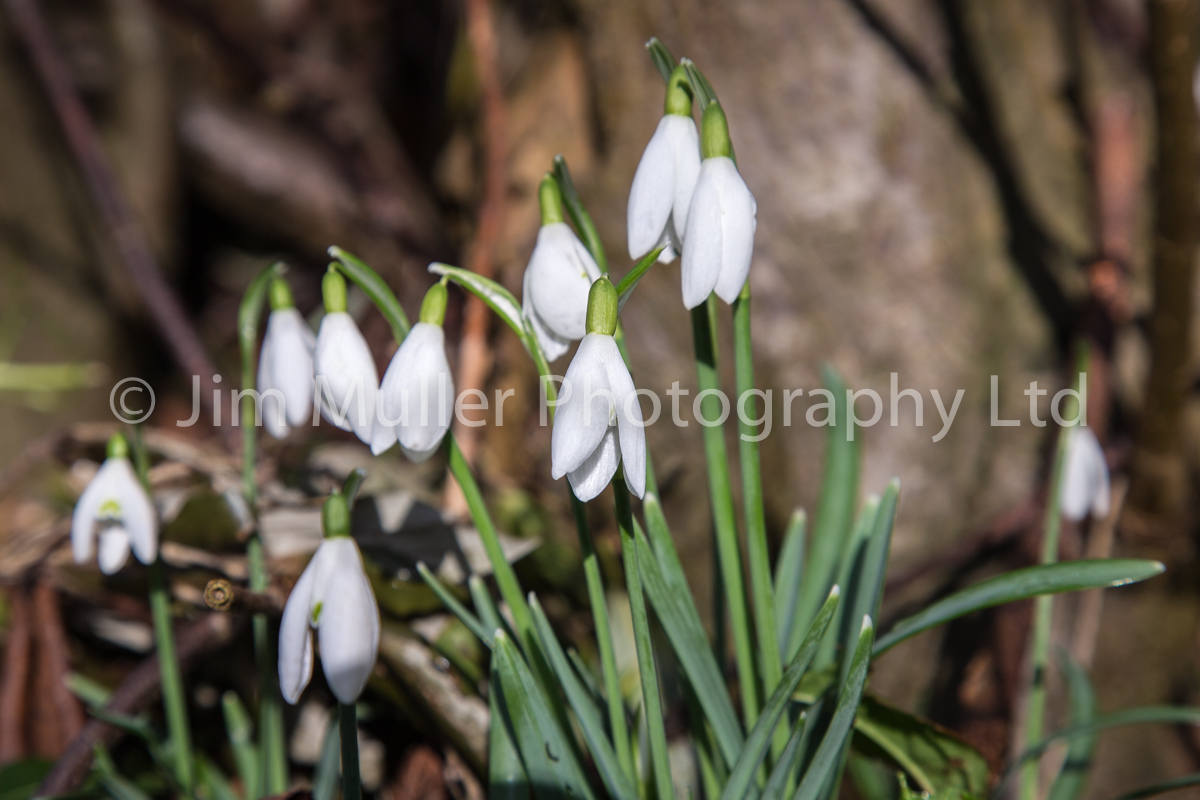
662,188
285,365
346,380
416,399
555,290
1085,480
334,597
115,509
598,422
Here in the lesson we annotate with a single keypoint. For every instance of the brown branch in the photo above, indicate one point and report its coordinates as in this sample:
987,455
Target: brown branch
65,717
130,239
1158,485
138,690
222,595
14,683
475,359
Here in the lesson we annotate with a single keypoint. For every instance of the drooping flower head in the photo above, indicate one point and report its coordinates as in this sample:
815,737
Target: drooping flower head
560,272
346,381
721,220
598,421
416,400
115,509
1085,480
333,597
662,189
285,365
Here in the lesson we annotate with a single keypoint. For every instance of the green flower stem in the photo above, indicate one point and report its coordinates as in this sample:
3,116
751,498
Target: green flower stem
579,215
270,712
174,702
756,525
1039,650
721,493
651,701
348,731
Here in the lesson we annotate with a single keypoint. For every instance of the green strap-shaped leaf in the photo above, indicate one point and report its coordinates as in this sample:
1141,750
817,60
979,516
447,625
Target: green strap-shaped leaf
369,281
664,62
829,753
240,732
682,625
864,586
325,777
851,560
740,779
934,757
546,752
117,787
800,742
506,776
496,297
626,285
586,711
1072,780
578,212
1071,576
213,783
835,513
473,623
788,571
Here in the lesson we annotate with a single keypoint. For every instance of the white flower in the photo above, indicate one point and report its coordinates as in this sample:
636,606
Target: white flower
555,290
416,399
598,423
285,365
346,379
662,188
334,596
115,506
1085,482
720,234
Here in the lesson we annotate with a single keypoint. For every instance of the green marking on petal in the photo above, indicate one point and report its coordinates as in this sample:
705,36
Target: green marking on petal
109,509
316,613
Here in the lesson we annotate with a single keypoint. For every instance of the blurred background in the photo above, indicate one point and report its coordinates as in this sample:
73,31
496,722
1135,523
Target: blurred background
947,190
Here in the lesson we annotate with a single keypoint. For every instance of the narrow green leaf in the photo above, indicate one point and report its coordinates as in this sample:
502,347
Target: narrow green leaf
679,621
933,756
788,569
139,726
866,578
829,753
20,779
457,608
496,297
845,630
545,748
506,776
369,281
1071,576
352,484
1182,782
667,557
803,735
835,513
664,62
700,85
578,212
1072,780
586,677
325,776
489,614
213,783
118,787
626,285
586,711
742,776
240,732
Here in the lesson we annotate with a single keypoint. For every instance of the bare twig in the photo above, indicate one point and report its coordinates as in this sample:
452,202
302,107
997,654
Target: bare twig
474,359
137,691
93,162
13,684
222,595
53,668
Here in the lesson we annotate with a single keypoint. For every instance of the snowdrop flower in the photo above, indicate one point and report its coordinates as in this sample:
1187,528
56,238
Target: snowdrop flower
333,596
721,220
285,365
598,421
554,295
666,177
1085,483
416,399
114,508
346,381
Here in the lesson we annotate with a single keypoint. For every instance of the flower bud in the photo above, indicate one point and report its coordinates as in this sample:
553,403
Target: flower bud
550,199
333,290
433,307
602,307
714,133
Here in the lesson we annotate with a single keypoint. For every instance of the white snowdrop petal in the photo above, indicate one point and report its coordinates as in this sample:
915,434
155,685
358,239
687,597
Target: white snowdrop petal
559,280
737,232
293,365
703,248
426,380
585,410
342,362
685,140
553,346
383,436
114,549
295,636
139,517
83,521
348,628
652,192
271,396
631,433
590,478
1085,477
